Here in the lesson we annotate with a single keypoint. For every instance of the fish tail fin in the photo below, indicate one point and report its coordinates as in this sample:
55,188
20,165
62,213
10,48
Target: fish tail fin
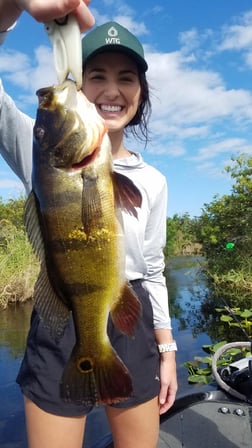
76,386
113,379
94,381
126,312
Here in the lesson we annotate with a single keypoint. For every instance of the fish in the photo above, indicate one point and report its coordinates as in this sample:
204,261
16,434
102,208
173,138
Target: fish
73,218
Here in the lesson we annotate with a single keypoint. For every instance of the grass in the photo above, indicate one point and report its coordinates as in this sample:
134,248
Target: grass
18,265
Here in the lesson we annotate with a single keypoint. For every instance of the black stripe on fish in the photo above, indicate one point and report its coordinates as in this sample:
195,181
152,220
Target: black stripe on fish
97,239
63,198
77,289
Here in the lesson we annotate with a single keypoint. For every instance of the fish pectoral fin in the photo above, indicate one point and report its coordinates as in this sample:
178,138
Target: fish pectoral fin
126,312
127,195
91,204
50,308
32,224
95,380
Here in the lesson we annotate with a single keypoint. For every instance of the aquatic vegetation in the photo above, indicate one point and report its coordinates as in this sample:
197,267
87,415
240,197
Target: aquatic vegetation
200,368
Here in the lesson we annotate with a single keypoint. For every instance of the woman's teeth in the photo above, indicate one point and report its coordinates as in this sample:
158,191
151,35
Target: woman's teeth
107,108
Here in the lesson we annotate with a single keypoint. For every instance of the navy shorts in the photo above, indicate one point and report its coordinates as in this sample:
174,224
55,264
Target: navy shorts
44,361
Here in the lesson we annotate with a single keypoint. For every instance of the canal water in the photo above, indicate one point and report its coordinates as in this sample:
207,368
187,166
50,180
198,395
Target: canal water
186,292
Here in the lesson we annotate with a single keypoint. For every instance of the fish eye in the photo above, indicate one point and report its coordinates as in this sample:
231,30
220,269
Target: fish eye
39,133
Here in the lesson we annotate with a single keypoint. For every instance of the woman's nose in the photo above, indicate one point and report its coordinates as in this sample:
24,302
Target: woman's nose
112,90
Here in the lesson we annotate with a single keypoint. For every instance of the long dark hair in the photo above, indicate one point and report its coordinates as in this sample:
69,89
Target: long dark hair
138,126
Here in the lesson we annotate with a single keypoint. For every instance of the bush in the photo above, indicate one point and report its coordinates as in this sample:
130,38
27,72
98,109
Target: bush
18,264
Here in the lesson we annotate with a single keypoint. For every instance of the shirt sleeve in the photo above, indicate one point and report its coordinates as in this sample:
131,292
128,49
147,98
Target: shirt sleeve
155,240
16,134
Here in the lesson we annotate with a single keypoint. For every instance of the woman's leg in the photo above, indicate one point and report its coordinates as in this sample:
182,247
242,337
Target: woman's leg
135,427
46,430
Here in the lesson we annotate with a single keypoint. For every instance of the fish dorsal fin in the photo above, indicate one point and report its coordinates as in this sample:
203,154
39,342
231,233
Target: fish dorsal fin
127,195
126,312
50,308
32,224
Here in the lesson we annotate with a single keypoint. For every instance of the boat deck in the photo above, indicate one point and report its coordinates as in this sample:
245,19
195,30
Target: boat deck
203,420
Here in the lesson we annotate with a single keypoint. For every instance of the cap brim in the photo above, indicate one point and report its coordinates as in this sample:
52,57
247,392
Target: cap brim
141,63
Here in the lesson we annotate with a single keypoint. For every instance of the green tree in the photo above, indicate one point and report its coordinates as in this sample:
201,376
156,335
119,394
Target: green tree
225,229
181,231
13,211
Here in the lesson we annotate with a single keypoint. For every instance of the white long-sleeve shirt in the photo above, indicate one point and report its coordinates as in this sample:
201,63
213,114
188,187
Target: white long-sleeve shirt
144,237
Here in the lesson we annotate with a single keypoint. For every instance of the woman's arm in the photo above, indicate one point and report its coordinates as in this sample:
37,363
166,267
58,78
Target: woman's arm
16,131
154,281
154,242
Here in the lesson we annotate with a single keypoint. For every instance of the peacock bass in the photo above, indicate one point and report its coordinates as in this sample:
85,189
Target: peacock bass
72,218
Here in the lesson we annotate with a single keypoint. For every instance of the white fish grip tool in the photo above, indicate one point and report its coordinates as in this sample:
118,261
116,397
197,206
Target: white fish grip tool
65,37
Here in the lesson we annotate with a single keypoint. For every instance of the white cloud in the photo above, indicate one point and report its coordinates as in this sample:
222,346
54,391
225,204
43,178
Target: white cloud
29,76
12,61
174,149
137,28
125,17
13,187
239,35
189,40
185,96
229,145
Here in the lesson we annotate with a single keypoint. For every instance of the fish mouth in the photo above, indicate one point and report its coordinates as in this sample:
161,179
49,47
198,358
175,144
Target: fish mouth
86,160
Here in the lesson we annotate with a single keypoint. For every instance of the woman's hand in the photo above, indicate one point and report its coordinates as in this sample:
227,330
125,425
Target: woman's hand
45,10
168,381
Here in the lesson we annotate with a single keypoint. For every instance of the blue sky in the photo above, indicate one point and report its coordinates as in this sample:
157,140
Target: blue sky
200,74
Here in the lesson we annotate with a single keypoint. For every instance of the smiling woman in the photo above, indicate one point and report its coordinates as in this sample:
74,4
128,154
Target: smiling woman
114,80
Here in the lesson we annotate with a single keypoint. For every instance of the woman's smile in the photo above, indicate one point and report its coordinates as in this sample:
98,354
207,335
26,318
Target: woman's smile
109,109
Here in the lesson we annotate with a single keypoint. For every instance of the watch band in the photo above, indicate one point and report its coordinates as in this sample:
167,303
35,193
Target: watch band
168,347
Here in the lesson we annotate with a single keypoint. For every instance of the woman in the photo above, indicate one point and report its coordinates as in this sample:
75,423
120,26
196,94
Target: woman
114,80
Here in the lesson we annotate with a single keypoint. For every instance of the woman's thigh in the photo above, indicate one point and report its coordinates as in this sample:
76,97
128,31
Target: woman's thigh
49,430
135,427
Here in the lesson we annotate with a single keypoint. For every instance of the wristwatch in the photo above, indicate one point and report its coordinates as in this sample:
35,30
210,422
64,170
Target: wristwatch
169,347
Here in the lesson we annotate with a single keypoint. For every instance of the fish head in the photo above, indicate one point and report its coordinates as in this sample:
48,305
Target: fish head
68,129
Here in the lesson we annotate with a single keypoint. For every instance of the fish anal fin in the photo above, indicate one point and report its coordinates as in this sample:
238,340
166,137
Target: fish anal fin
95,381
49,306
127,195
126,312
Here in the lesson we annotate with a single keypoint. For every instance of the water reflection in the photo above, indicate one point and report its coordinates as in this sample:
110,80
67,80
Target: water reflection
14,322
186,288
193,303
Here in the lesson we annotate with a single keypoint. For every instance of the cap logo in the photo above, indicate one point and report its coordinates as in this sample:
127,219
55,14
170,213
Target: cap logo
113,36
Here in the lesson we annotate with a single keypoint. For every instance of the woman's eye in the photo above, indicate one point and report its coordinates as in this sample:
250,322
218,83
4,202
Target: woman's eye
127,79
97,77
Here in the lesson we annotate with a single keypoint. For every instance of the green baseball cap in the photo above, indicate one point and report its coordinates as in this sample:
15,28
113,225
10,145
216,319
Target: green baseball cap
113,37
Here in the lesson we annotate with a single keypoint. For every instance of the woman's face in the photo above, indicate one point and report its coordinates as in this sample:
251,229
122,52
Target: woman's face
111,82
